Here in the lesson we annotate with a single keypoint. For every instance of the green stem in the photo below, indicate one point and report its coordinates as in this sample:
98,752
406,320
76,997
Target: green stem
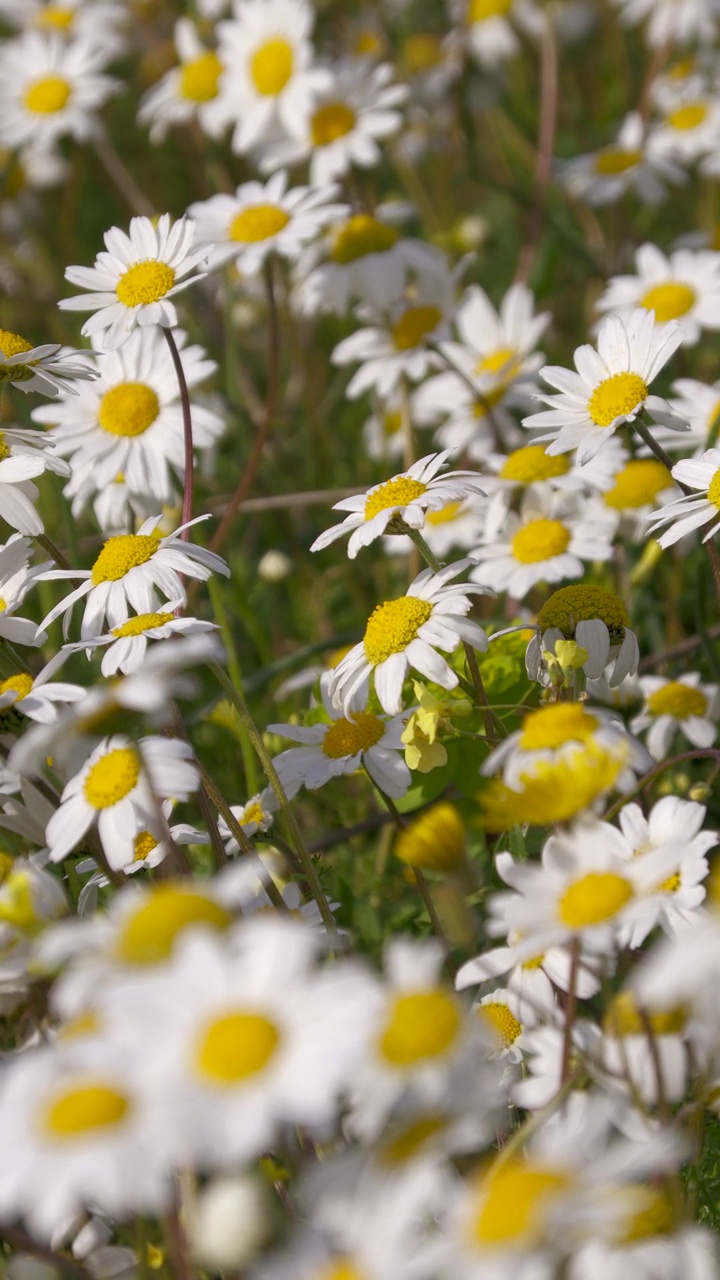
240,835
252,781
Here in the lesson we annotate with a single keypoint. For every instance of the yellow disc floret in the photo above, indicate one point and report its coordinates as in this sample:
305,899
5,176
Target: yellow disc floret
393,626
713,493
20,685
148,935
347,737
434,840
143,845
121,554
540,540
331,122
678,700
570,605
128,409
505,1026
689,116
553,790
79,1112
481,10
198,81
620,394
394,493
515,1199
553,726
613,160
258,222
55,16
652,1215
422,1025
236,1047
414,325
532,463
669,300
445,514
271,66
11,344
638,484
112,777
143,622
144,282
625,1018
594,899
360,235
46,96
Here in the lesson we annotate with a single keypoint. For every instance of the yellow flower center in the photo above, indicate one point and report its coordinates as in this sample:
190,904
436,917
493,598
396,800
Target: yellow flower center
16,903
444,515
532,463
394,493
638,484
405,1144
143,845
7,862
624,1018
614,396
20,685
434,840
678,700
515,1200
361,235
653,1216
571,605
331,122
144,282
143,622
421,52
253,812
259,222
11,344
236,1047
46,96
540,540
688,117
422,1025
414,326
56,17
347,737
713,493
121,554
669,301
593,899
112,777
481,10
671,885
551,727
504,360
128,409
147,936
504,1024
79,1112
199,78
612,160
85,1024
392,626
341,1269
271,66
553,790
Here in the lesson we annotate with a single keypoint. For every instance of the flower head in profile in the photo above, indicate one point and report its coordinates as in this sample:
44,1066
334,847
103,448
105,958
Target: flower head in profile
39,368
626,165
694,510
685,704
598,621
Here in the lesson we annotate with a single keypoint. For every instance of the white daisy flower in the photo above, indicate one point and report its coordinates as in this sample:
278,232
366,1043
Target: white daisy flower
626,165
348,119
689,124
545,1051
127,572
672,22
118,789
683,705
698,404
643,1052
456,526
257,815
24,454
652,1243
532,980
127,642
489,33
382,431
36,696
409,496
406,633
92,20
51,88
270,81
39,368
128,421
135,277
546,542
361,740
507,1018
116,507
683,287
637,489
17,576
691,512
185,92
597,621
610,387
261,219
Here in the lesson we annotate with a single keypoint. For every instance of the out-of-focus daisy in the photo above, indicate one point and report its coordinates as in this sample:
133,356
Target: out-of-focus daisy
347,121
610,387
691,512
17,576
689,124
683,287
94,20
127,572
117,789
36,696
597,621
405,633
683,705
129,420
454,526
127,642
51,88
261,219
185,92
507,1018
489,32
21,457
637,489
39,368
257,815
327,751
382,432
410,497
553,731
135,277
672,22
269,79
533,980
698,404
627,164
116,507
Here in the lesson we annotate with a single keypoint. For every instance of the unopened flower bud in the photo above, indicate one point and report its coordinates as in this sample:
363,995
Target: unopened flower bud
229,1223
275,566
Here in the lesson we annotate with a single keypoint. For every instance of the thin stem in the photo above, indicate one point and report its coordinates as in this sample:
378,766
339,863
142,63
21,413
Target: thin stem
115,168
241,836
700,753
22,1243
474,389
189,483
570,1007
546,144
54,552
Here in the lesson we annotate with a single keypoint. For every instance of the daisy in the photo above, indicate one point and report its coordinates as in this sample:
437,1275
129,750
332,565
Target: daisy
408,497
689,124
92,20
348,119
186,92
257,815
51,88
556,730
262,219
598,621
383,436
610,386
532,980
129,420
16,578
36,696
642,1051
683,287
501,341
127,643
639,487
270,81
117,789
362,740
116,508
691,512
546,542
626,165
22,455
489,33
39,368
507,1018
126,573
135,277
672,22
454,526
683,705
698,404
406,633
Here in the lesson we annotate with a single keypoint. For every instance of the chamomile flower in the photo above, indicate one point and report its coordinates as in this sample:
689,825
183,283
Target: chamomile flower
187,91
383,435
406,633
689,124
348,743
17,576
690,512
37,696
532,979
39,368
507,1017
51,88
348,119
127,572
643,1051
94,20
610,387
626,165
117,789
129,420
639,487
456,526
135,277
127,642
257,815
599,623
261,219
489,33
684,286
22,457
683,705
672,22
698,404
556,730
409,496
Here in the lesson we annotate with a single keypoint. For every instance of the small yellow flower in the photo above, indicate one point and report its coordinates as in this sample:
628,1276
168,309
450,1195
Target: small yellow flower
434,840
